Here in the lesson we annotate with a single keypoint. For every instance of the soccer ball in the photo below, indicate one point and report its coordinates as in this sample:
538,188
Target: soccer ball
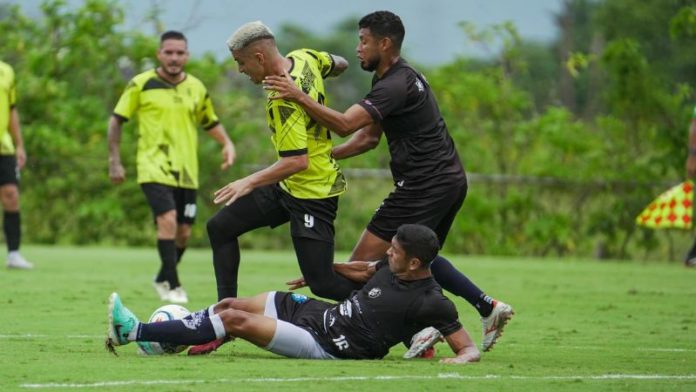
164,313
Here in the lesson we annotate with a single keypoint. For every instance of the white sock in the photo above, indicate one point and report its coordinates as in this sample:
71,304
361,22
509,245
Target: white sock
218,326
133,334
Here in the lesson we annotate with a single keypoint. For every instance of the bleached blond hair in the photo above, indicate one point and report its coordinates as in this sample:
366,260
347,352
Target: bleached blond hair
248,33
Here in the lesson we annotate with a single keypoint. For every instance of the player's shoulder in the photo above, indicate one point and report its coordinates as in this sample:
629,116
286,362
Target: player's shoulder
193,81
142,78
6,68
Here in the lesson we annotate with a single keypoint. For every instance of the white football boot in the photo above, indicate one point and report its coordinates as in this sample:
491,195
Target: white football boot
16,261
495,322
177,296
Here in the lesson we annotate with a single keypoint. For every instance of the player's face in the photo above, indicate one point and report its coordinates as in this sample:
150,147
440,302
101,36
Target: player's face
398,260
250,63
368,50
172,56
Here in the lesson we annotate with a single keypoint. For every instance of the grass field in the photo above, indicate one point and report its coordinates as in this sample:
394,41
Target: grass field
580,326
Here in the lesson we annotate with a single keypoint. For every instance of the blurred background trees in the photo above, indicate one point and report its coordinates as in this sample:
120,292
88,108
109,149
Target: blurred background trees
565,142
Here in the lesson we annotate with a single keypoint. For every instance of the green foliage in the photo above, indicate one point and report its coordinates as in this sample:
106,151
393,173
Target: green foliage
568,140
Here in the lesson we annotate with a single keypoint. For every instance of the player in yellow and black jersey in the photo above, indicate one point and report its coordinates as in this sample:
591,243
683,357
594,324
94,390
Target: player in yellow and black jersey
301,187
169,105
12,160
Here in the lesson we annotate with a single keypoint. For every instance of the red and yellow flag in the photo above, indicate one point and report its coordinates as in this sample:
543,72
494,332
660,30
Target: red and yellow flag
671,210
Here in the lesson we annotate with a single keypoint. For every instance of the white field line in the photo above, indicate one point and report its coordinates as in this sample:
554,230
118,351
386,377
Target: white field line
442,376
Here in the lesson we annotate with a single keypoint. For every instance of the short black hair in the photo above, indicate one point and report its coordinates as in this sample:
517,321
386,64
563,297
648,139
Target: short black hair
173,34
384,24
418,241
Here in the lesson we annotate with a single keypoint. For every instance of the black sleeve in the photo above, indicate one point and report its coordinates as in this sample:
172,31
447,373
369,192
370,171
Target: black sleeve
386,96
437,311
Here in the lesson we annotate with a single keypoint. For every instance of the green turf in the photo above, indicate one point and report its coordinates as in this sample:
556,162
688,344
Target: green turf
580,325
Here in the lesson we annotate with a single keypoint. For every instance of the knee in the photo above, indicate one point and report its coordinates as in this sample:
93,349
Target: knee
236,321
166,224
9,196
215,226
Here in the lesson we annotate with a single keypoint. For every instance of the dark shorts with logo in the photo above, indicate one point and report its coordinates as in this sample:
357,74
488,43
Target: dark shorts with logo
9,171
435,207
309,218
163,198
299,309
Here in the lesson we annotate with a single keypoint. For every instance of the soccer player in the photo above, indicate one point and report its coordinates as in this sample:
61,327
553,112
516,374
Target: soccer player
429,178
301,187
12,160
398,301
690,260
169,104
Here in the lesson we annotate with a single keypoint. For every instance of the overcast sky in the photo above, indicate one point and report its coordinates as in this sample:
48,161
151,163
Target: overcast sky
432,34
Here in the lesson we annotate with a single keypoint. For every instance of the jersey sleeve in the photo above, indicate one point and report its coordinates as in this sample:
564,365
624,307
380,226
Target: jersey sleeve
325,61
386,96
439,312
128,103
290,125
205,115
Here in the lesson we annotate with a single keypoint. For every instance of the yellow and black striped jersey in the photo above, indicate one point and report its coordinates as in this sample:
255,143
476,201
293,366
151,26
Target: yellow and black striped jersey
168,116
296,133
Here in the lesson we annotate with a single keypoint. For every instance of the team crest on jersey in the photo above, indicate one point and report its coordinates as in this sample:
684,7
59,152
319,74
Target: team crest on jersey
345,309
299,298
375,292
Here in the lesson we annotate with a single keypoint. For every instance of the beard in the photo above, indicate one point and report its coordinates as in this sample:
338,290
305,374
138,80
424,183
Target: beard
370,64
173,71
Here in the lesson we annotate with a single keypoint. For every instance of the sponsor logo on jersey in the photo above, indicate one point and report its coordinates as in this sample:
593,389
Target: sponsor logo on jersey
375,292
345,309
299,298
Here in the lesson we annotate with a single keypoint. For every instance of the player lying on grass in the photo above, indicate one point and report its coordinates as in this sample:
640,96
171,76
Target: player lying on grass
398,301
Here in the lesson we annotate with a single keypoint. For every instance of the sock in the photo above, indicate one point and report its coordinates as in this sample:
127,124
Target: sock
450,279
187,331
11,225
167,253
179,254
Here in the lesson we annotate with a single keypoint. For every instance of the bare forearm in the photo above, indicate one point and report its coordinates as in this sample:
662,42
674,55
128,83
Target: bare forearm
219,134
114,139
15,129
364,140
357,271
277,172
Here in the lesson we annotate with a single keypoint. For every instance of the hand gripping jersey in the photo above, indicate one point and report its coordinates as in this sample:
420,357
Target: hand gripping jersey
294,132
168,117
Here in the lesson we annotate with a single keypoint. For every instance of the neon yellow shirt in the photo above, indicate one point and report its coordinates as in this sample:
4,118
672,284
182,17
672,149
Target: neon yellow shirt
295,133
168,116
8,99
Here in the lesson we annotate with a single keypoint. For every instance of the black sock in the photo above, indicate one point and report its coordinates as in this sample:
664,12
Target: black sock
450,279
179,254
178,332
167,253
11,225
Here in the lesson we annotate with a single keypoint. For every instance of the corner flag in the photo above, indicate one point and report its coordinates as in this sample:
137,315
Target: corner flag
671,210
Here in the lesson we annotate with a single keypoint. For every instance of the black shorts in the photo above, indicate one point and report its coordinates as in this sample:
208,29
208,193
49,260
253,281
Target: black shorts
309,218
434,208
299,309
163,198
9,171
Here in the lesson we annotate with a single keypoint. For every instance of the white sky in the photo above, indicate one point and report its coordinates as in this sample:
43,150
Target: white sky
432,34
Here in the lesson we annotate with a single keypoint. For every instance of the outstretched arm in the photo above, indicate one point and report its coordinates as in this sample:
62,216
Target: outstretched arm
116,171
342,124
340,65
282,169
362,141
463,346
16,133
357,271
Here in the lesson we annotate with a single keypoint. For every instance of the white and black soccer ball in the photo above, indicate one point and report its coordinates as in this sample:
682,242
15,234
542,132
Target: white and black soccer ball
164,313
